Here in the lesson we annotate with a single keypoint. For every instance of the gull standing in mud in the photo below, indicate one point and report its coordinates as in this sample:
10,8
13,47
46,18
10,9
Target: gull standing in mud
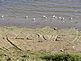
71,19
44,16
62,19
54,16
26,17
34,19
2,16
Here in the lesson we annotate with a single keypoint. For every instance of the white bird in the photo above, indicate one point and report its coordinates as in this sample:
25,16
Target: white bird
26,17
60,17
34,19
2,16
54,16
44,16
70,18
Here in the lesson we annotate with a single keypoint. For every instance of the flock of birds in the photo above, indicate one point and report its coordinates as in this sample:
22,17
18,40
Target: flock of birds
53,17
45,17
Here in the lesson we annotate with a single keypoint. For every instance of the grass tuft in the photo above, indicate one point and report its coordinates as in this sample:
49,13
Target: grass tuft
62,57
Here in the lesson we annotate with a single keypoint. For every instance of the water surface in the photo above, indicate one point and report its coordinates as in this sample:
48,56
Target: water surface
14,12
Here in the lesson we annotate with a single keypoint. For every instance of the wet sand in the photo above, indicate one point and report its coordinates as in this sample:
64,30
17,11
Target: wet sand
40,39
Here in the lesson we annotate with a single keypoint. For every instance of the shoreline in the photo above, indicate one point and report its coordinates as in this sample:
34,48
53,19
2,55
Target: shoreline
23,37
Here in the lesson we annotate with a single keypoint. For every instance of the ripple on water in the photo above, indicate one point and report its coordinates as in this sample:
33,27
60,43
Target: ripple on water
35,10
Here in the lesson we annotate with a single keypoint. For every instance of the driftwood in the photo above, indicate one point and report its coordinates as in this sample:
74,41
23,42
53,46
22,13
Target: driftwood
13,43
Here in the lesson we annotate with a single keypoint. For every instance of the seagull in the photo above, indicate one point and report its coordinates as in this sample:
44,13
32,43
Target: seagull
44,16
54,16
34,19
26,17
60,18
70,18
2,16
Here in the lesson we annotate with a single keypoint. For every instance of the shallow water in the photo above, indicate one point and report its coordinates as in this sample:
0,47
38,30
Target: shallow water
14,12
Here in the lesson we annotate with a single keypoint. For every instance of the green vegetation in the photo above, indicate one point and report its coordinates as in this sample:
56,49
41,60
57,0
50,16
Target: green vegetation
62,57
13,54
